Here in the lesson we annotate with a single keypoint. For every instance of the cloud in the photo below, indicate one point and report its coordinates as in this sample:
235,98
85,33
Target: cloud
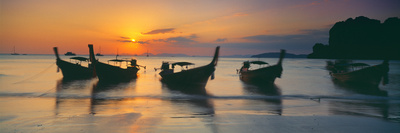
316,32
143,42
192,36
301,42
305,34
262,38
124,39
159,40
180,40
217,19
160,31
220,40
129,40
240,14
275,38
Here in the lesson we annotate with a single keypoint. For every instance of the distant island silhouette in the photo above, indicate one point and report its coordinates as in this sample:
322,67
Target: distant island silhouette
165,55
263,55
361,38
277,54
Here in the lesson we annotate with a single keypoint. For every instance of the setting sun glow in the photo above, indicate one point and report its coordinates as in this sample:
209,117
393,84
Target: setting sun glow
178,27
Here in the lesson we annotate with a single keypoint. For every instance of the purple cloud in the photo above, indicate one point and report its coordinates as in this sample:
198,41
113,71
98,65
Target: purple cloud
221,40
179,40
160,31
124,39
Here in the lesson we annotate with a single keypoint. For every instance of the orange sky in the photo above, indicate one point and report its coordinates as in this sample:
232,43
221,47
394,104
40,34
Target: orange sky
192,27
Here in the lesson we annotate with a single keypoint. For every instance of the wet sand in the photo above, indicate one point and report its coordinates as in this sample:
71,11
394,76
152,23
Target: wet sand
304,100
32,114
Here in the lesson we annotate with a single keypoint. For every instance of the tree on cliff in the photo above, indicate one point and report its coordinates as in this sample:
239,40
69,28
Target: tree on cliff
320,51
361,38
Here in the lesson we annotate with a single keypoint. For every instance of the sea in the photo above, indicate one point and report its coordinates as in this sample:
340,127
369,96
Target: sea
35,98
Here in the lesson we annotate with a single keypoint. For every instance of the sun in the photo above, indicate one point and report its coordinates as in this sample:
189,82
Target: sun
133,40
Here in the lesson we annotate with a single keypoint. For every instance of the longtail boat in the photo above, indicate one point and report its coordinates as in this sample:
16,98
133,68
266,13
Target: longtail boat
263,75
190,77
359,73
74,70
111,73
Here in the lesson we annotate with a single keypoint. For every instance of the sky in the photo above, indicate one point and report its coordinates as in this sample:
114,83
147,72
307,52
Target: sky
192,27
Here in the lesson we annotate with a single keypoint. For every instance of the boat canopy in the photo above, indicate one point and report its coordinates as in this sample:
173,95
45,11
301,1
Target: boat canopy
182,63
258,62
80,58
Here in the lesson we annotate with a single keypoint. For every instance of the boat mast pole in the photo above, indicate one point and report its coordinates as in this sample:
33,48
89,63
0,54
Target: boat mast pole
283,52
91,53
215,58
56,52
92,59
117,54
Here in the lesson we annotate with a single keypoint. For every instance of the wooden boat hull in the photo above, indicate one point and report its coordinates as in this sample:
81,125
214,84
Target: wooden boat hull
193,77
370,76
110,73
106,72
74,71
266,75
197,76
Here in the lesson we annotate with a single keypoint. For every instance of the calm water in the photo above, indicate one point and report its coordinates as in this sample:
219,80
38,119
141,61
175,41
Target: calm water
34,98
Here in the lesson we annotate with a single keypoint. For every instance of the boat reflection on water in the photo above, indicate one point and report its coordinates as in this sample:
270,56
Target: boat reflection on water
72,96
270,94
199,90
367,101
102,86
362,84
92,106
377,108
75,97
190,101
192,94
66,84
106,95
360,88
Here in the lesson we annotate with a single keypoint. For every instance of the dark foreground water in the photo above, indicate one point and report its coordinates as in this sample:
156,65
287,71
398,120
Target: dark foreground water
34,98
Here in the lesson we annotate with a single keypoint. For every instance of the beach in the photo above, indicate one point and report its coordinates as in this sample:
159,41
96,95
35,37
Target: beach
35,98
